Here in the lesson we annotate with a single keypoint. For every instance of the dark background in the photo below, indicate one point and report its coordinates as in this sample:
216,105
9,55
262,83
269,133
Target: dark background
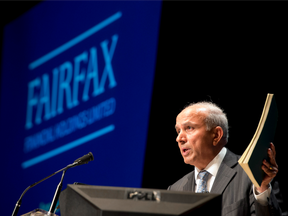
231,53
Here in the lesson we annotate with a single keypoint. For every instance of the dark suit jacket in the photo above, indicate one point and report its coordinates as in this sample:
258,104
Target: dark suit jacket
236,189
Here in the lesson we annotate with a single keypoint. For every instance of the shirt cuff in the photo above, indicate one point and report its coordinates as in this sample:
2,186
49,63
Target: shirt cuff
263,197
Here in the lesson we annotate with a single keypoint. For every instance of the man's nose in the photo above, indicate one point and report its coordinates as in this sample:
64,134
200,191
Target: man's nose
181,137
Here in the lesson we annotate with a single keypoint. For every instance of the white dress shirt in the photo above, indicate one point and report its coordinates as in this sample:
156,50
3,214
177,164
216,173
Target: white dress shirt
213,168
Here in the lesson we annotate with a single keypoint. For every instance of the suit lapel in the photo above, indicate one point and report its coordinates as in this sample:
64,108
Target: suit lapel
225,173
190,184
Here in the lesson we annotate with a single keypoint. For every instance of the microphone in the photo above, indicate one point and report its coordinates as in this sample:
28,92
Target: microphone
85,159
82,160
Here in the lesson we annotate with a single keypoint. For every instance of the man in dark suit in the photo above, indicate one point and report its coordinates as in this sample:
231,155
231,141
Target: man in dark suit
202,135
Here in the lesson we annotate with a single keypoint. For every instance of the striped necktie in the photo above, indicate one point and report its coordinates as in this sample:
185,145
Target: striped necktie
202,188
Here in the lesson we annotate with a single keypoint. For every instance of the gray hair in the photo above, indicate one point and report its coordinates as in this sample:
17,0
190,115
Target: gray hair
215,117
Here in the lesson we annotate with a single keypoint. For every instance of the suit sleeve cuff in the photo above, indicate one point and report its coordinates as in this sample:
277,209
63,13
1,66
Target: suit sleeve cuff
262,198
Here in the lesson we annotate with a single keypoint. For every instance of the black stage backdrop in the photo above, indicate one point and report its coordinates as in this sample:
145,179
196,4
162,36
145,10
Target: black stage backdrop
231,53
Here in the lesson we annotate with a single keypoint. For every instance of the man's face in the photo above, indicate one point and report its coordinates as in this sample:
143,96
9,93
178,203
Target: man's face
195,143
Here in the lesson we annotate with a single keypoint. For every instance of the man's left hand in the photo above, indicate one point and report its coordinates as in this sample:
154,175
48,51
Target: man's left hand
270,168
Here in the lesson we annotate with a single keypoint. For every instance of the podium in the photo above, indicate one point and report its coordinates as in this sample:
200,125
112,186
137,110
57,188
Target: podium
87,200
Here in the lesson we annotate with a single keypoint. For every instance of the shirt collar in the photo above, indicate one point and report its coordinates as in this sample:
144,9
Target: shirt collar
214,165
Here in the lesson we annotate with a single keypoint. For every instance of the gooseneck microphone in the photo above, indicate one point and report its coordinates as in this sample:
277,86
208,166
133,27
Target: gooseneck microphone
82,160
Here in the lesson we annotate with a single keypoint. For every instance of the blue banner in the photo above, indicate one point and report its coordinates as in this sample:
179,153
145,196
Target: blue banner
77,77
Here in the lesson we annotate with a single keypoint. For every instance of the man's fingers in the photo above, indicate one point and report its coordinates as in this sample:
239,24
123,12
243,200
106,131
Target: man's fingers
272,154
273,149
269,169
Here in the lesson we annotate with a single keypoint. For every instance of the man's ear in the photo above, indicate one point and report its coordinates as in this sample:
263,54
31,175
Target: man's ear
217,135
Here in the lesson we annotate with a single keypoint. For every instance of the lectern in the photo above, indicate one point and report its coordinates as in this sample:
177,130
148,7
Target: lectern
87,200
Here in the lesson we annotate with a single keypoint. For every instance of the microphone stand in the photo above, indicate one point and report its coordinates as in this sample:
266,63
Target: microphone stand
57,194
82,160
18,204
